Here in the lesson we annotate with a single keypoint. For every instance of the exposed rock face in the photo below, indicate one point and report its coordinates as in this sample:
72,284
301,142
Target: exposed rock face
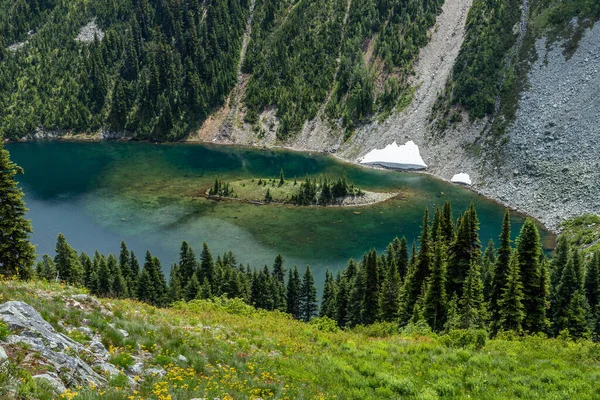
54,347
551,163
89,32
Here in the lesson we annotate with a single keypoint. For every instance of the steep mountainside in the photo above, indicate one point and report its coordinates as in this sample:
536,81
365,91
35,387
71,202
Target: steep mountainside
503,90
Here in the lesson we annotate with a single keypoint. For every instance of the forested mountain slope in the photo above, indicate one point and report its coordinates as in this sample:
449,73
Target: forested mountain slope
467,80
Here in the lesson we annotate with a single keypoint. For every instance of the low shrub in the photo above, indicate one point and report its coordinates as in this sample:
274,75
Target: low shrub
465,338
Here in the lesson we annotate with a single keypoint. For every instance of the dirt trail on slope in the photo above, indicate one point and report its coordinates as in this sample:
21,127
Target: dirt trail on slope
435,64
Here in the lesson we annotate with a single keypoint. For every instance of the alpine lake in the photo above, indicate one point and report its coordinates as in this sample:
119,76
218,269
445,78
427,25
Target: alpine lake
152,196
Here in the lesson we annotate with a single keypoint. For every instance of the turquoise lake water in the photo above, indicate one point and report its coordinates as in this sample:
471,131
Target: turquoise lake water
97,194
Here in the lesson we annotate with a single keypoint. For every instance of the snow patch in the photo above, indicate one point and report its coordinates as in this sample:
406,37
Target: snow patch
461,178
89,31
396,156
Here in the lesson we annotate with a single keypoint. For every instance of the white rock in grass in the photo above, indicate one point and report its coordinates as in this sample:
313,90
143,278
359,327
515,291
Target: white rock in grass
461,178
405,156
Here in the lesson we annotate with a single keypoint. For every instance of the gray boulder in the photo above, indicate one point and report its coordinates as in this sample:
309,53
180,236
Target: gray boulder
53,380
56,348
135,369
3,355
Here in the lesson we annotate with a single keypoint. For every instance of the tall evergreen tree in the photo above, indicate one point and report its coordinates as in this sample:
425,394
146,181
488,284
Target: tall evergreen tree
529,250
465,250
370,307
175,289
448,224
559,261
192,289
308,296
88,269
356,297
511,311
435,303
46,269
565,293
415,280
207,266
328,306
390,290
488,263
104,283
124,262
501,272
341,300
17,254
67,262
592,282
293,293
473,312
279,290
187,263
134,270
401,252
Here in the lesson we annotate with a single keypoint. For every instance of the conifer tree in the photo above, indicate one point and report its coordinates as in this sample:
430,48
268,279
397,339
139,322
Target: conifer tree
578,266
488,263
465,249
415,280
576,317
205,289
119,286
356,297
124,262
341,301
473,312
207,266
328,306
370,307
67,262
559,261
529,250
187,263
501,272
88,268
46,269
281,177
401,252
175,289
565,293
17,254
511,311
134,270
592,282
448,224
434,304
453,318
293,293
308,296
192,290
279,284
104,285
390,290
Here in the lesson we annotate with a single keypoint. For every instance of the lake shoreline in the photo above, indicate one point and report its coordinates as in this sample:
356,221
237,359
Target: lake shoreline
97,138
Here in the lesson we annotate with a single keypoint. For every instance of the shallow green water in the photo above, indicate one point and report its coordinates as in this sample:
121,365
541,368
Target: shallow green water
99,193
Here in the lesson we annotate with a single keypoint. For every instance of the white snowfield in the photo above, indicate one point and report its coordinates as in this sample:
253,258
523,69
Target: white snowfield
394,156
461,178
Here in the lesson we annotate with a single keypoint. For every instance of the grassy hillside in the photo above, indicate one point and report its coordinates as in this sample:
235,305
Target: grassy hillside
233,351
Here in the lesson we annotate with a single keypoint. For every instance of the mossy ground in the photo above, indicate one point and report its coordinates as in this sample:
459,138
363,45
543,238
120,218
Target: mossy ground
237,352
